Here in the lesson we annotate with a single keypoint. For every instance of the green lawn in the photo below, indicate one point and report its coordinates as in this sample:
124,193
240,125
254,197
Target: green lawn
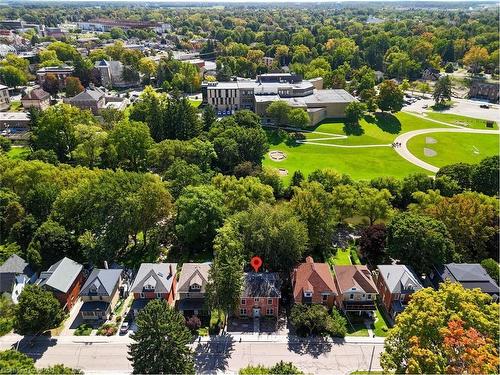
195,103
357,330
15,105
469,122
342,258
454,147
18,152
380,326
367,163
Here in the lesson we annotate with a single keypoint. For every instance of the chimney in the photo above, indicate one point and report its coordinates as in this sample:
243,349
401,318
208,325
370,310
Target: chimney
170,269
105,264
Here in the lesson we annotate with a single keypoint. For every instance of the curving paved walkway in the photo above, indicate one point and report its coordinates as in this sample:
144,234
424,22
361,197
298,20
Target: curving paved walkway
404,138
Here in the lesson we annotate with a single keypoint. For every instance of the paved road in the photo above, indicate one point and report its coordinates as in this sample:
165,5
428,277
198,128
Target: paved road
404,138
228,355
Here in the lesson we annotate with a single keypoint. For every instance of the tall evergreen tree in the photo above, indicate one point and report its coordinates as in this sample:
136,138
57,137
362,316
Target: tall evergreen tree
161,341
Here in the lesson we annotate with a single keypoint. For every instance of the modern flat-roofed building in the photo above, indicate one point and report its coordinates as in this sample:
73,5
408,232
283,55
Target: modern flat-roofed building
258,94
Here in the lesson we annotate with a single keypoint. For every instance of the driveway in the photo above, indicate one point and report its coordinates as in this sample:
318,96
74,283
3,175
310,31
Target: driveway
73,321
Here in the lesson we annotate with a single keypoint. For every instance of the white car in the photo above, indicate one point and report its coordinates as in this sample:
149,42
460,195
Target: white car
124,328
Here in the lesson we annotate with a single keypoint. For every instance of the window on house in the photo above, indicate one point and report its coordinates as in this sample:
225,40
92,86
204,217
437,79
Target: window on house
325,297
243,312
269,301
256,299
308,294
158,295
269,311
143,295
243,301
351,296
369,296
196,287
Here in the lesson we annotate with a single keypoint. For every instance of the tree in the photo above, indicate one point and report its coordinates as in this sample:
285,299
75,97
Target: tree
147,67
315,320
52,242
91,140
225,277
468,351
55,129
390,97
37,311
5,144
131,141
491,266
298,118
485,176
314,206
12,76
14,362
419,241
209,117
279,111
354,111
372,244
51,84
459,172
275,234
374,204
417,341
474,234
73,86
200,212
161,341
243,193
329,178
475,58
442,90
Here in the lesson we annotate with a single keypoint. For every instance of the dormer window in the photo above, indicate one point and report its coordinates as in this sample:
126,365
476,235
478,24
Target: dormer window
93,290
195,287
308,294
149,287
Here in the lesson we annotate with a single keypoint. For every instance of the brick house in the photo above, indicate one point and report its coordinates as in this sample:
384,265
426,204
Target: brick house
356,289
485,90
154,281
191,289
261,295
88,99
100,293
396,283
36,98
64,279
313,283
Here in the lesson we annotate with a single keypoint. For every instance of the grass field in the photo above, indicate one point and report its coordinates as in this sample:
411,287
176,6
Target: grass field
370,162
18,152
468,122
380,326
195,103
455,147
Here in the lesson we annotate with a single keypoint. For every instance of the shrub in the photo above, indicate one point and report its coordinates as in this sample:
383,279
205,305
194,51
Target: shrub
107,329
491,266
193,323
315,320
83,330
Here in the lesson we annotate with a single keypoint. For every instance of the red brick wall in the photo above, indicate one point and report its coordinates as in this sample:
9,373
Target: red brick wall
71,296
250,304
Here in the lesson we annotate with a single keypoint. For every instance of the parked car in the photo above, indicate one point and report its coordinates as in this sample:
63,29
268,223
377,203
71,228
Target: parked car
124,328
485,106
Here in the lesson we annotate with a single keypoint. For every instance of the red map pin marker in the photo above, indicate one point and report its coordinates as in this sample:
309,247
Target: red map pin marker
256,262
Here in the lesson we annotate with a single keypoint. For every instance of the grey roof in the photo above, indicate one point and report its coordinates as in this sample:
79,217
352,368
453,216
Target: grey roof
103,280
399,277
262,284
36,94
470,275
61,275
87,95
95,306
193,273
16,264
158,275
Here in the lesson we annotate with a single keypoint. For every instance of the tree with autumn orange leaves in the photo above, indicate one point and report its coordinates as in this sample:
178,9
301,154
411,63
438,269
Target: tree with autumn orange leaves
468,351
427,338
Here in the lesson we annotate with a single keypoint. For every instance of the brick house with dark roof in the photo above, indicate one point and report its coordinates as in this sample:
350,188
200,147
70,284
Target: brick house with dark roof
261,295
313,283
64,279
356,288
